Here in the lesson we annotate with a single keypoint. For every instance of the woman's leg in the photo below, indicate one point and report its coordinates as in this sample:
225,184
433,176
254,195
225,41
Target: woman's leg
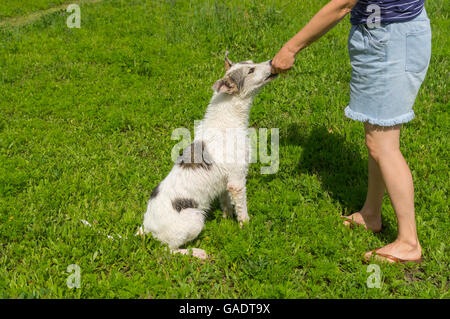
383,144
370,214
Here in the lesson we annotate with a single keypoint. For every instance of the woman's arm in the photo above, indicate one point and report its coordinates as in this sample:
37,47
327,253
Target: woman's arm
321,23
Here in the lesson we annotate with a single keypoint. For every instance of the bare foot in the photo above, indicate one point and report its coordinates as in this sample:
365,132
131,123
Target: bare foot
370,222
395,252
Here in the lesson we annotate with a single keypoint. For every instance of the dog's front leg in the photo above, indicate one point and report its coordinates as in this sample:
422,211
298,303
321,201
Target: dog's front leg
225,204
239,198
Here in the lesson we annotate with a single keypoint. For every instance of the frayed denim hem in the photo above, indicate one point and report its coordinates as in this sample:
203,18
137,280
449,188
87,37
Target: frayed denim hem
391,122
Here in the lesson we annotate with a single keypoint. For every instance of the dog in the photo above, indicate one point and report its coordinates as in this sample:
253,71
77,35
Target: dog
177,206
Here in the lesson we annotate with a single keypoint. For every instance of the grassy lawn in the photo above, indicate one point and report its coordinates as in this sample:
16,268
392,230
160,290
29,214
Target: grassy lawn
86,117
11,8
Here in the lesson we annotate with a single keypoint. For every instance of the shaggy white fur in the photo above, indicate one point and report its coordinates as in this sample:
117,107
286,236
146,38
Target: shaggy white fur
214,165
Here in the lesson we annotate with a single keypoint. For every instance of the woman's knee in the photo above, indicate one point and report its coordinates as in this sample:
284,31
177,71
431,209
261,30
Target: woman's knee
382,141
379,148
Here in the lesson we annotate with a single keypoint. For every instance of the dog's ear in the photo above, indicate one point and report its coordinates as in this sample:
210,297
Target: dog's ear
228,63
225,85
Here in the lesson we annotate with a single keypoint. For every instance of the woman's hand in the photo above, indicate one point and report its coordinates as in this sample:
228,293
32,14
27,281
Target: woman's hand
283,60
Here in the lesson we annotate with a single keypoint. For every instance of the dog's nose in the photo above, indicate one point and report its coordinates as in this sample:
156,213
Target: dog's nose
270,62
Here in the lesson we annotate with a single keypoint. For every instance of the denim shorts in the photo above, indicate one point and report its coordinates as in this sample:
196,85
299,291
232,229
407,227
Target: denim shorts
389,64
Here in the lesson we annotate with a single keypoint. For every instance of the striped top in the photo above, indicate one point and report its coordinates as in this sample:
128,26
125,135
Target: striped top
390,10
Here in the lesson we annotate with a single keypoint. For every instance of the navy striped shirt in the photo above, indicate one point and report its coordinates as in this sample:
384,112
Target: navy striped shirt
390,10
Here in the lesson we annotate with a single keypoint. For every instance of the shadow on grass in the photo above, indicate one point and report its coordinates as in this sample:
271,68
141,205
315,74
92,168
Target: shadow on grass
215,211
337,163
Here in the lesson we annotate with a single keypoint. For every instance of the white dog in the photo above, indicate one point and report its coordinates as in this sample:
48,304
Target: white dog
177,206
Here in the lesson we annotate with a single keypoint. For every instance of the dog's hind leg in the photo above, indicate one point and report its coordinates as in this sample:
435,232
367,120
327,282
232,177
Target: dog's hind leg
225,204
196,252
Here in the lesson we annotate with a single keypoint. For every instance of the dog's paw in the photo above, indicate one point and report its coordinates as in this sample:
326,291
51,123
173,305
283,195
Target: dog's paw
227,213
199,253
196,252
242,223
243,219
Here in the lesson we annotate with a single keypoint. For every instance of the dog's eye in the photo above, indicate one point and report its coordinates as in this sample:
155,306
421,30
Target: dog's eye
251,71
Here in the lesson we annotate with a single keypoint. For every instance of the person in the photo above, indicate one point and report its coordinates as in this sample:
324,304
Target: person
390,48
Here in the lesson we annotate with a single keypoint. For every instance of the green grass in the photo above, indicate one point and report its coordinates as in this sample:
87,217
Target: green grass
11,8
86,117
